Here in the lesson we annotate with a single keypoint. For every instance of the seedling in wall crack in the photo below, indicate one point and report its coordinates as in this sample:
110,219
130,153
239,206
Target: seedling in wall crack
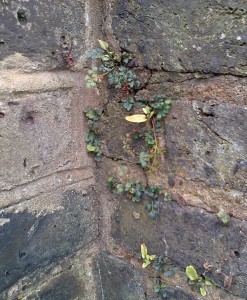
147,259
223,217
199,282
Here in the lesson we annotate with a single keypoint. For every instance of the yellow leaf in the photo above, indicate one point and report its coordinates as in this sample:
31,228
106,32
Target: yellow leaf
103,45
136,118
144,251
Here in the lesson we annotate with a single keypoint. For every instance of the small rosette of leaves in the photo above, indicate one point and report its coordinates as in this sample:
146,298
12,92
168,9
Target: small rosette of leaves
199,282
161,266
134,190
147,259
161,290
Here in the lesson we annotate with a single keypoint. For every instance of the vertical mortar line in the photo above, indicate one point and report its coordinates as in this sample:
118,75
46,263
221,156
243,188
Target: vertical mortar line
94,22
101,284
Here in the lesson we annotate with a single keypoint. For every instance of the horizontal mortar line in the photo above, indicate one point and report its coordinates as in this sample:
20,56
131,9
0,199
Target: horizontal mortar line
194,71
46,176
45,192
42,190
12,81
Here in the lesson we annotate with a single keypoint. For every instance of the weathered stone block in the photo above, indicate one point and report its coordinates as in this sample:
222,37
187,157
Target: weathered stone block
32,241
41,134
46,33
208,36
188,236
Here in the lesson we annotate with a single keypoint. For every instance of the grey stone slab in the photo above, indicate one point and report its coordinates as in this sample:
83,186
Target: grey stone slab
31,241
184,36
188,236
44,31
118,279
38,136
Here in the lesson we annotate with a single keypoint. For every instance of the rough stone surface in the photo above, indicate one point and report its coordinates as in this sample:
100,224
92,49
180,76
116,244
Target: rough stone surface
30,241
62,234
40,134
119,280
208,36
68,278
46,34
188,236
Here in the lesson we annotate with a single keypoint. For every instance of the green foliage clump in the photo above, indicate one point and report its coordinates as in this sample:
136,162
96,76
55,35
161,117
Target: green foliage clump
137,192
92,137
115,68
153,113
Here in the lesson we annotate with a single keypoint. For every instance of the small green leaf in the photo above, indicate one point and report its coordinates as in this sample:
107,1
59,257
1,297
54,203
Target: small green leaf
128,104
104,45
198,75
203,291
146,263
91,84
91,148
120,188
153,214
168,101
91,114
208,282
223,217
143,163
146,110
191,273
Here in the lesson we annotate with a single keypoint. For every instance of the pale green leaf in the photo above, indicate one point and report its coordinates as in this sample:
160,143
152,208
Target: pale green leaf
203,291
146,110
91,148
103,45
144,251
208,282
223,216
191,273
136,118
146,263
